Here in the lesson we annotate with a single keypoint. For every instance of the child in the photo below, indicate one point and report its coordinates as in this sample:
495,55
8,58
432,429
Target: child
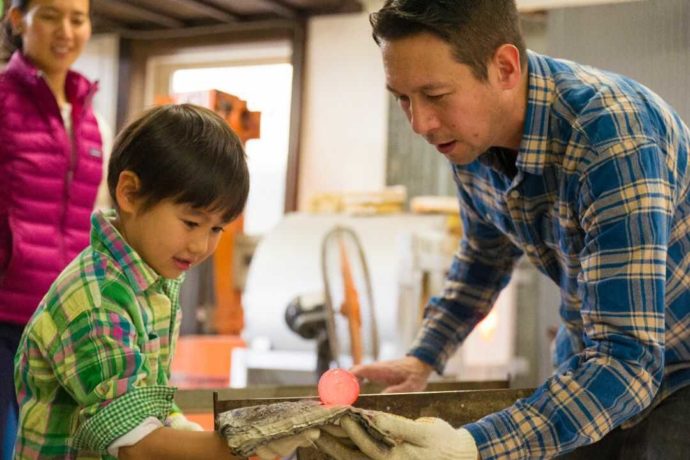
94,362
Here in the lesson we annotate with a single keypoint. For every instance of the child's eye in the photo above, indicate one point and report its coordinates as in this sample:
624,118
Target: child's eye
190,224
217,229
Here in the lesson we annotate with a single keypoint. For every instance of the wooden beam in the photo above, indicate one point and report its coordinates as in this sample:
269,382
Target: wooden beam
102,23
203,9
278,8
264,28
329,7
536,5
299,46
121,9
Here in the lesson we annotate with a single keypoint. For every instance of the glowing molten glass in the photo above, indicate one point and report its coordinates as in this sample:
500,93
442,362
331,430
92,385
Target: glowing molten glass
338,387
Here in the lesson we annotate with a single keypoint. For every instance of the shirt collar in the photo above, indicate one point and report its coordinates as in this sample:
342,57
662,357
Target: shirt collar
107,239
534,147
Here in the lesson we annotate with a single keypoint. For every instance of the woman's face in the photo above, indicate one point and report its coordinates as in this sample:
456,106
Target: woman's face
53,32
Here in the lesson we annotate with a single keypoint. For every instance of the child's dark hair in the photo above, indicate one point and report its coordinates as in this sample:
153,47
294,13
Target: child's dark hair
184,153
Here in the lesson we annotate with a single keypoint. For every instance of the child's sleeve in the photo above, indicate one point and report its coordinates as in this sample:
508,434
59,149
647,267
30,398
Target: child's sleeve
112,376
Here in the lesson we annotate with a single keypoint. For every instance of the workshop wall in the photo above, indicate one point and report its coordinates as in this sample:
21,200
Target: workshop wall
648,41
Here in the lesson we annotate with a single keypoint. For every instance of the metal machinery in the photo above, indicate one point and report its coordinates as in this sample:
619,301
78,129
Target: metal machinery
337,313
407,256
288,268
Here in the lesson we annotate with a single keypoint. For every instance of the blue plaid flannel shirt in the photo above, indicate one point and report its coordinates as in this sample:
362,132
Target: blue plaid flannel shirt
599,203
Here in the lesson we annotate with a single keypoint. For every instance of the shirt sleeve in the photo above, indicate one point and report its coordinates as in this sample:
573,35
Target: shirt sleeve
480,269
145,428
111,375
625,210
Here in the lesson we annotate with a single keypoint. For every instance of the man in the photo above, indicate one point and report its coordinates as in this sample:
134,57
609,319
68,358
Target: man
586,174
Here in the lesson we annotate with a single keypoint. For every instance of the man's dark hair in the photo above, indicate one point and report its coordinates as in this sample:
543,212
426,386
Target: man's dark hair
184,153
475,29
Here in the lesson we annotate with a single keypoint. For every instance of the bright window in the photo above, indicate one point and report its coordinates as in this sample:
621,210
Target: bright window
267,89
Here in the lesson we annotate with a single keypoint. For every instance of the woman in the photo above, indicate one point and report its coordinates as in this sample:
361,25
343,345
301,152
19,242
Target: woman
50,168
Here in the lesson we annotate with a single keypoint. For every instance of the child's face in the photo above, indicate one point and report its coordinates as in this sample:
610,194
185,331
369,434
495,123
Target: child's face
173,237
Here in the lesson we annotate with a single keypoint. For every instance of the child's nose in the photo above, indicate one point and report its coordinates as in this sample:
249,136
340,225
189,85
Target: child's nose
199,245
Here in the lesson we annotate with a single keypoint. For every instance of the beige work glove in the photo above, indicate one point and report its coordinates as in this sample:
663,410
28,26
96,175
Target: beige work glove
286,446
180,422
422,439
335,441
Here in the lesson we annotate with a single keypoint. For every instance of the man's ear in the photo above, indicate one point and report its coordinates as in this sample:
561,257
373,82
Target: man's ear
506,65
127,192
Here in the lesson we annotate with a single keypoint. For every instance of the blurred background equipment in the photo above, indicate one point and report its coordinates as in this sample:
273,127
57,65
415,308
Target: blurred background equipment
289,260
407,256
387,201
348,291
307,316
334,317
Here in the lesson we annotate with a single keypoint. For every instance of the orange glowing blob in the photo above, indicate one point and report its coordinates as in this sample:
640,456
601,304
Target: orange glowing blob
338,387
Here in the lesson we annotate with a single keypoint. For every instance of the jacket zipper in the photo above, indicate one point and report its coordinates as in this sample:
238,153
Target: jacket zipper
73,153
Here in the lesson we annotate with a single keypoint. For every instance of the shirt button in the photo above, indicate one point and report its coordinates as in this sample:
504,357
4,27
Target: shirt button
530,248
515,194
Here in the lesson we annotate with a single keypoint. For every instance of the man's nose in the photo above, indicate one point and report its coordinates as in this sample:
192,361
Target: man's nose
422,119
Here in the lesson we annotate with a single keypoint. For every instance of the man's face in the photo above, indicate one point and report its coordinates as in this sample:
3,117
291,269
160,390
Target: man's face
443,100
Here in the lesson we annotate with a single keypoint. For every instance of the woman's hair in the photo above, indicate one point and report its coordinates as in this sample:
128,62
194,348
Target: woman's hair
11,41
475,29
184,153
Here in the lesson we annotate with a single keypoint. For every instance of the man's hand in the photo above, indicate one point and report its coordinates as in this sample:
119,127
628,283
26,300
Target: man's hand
286,446
401,375
421,439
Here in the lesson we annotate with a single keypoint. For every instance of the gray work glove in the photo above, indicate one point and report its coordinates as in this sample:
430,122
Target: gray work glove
286,446
422,439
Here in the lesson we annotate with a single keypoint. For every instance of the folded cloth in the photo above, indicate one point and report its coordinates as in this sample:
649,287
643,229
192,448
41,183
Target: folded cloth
248,428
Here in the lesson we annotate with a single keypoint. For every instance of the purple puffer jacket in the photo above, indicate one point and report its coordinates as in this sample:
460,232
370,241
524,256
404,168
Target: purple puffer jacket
48,184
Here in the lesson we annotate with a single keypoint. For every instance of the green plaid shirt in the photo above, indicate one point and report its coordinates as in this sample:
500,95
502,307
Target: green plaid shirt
94,360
